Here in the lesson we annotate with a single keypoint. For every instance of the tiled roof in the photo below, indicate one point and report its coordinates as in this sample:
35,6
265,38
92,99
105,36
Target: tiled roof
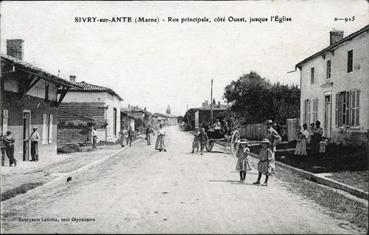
332,47
87,87
134,109
38,71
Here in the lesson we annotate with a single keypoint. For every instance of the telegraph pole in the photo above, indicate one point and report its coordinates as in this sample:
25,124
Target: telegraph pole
211,102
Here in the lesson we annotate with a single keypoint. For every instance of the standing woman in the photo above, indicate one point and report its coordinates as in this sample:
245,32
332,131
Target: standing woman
318,132
160,144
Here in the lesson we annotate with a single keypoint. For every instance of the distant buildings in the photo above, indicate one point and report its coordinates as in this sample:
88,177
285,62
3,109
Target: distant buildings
335,88
89,105
199,117
30,97
167,118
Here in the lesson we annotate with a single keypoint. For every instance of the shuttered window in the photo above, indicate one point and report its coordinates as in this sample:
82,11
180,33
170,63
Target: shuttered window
329,69
45,129
50,129
5,120
315,109
307,111
348,108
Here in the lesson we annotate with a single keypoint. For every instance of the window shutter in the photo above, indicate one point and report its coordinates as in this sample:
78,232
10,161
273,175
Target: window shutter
44,129
358,108
337,106
5,120
50,128
348,93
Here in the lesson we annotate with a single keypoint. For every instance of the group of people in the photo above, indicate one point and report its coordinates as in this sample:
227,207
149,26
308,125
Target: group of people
313,137
127,136
266,164
200,140
7,146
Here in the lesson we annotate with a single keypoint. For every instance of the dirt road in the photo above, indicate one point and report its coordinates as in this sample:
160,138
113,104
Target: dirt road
145,191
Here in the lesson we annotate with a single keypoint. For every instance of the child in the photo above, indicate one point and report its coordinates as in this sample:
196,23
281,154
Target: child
242,162
264,164
203,138
298,141
323,145
195,142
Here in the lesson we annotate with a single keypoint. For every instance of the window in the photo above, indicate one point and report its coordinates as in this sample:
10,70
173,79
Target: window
312,75
328,69
306,111
315,109
46,92
5,120
47,128
350,55
348,108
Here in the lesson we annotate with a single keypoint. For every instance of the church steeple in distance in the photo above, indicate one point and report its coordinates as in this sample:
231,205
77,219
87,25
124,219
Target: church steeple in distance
168,109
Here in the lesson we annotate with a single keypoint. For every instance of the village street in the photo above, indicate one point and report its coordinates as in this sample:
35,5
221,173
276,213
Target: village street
142,190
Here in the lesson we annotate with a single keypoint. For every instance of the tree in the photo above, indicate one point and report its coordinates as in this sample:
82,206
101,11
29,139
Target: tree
254,99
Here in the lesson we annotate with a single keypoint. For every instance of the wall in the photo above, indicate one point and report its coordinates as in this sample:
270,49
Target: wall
37,107
72,134
341,81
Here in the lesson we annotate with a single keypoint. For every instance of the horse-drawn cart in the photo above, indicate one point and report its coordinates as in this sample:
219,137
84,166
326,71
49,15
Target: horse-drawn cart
231,139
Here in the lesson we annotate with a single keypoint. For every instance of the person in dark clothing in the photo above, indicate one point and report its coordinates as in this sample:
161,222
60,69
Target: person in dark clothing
35,138
2,148
9,144
149,131
203,139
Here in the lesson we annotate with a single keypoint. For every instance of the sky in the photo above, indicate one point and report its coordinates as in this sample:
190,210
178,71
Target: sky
154,65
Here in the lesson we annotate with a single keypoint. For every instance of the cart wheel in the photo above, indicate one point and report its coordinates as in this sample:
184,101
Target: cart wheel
234,141
209,145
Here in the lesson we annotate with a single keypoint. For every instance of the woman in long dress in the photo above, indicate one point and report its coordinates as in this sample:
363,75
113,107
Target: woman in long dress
301,145
160,140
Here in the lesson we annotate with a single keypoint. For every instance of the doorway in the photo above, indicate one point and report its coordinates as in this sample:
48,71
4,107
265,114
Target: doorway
327,116
26,133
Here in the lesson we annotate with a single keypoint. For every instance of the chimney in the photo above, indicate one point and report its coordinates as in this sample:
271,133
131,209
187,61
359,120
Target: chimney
72,78
335,36
14,48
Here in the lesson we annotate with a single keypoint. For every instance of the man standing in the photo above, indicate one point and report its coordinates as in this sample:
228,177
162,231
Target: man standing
274,138
2,148
35,137
9,148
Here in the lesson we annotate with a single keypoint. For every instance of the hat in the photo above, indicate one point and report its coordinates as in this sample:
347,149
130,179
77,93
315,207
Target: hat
265,141
34,128
269,122
246,150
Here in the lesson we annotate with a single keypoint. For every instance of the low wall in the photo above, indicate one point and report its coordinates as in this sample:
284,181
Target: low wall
72,134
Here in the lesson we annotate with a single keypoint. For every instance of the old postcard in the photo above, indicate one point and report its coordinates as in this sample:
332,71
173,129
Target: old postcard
184,117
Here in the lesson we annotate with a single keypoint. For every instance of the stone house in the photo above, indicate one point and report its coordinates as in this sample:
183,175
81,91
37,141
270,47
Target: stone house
86,106
30,97
335,88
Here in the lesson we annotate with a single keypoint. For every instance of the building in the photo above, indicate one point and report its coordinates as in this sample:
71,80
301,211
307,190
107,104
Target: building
201,117
168,119
30,97
335,88
89,105
135,116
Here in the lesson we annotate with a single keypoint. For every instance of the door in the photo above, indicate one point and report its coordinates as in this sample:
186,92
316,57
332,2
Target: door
26,133
327,116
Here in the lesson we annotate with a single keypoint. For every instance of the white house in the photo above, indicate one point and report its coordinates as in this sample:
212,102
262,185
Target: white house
90,104
335,88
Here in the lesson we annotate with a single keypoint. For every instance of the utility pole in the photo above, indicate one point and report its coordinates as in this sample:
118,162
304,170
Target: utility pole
211,102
